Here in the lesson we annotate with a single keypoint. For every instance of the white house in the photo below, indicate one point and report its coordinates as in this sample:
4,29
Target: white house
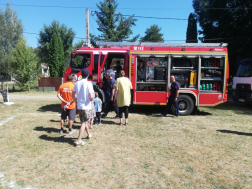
45,69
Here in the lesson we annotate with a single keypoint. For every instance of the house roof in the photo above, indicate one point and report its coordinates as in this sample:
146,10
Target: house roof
44,65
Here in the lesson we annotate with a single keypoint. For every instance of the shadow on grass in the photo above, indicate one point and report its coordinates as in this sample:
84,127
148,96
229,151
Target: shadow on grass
235,132
54,120
104,121
157,111
236,107
146,110
46,129
51,108
59,139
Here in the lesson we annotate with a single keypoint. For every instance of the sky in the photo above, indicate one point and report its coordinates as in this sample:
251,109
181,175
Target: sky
34,14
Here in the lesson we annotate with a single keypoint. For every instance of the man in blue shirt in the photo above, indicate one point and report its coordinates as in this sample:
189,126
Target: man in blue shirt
173,98
110,95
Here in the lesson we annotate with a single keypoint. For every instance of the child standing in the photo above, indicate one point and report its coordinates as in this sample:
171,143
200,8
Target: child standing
92,113
98,108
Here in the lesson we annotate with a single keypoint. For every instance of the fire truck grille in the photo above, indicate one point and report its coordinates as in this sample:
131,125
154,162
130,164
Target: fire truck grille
242,95
243,87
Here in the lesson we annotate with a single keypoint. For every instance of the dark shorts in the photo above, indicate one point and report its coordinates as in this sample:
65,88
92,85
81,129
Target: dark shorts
68,112
84,115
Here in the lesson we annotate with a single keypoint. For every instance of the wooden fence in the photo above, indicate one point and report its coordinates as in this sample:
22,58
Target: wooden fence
50,82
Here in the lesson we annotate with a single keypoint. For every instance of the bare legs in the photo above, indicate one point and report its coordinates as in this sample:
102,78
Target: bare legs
70,123
84,126
91,123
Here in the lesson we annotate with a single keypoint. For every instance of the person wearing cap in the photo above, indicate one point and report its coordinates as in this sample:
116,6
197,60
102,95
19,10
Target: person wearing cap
111,71
68,105
110,95
83,94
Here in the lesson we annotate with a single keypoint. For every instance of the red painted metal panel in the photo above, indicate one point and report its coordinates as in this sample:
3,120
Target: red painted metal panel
185,49
213,50
151,97
210,99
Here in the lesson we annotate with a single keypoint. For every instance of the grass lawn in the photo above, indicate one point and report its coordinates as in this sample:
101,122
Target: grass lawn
211,149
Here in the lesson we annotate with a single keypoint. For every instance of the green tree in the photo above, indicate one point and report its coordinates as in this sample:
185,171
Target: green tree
226,21
191,33
24,65
56,57
11,32
45,36
113,27
152,34
79,44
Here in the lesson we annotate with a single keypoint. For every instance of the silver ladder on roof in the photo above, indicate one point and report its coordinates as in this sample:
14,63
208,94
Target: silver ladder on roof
128,44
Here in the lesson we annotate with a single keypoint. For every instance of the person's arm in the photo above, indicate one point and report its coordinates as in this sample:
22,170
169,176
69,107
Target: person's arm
60,97
130,85
177,94
113,92
91,96
116,92
74,96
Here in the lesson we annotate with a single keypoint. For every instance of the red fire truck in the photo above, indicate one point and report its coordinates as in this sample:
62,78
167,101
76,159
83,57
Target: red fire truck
202,70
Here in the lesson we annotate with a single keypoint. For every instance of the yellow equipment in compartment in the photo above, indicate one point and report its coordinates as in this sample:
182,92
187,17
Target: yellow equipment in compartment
193,78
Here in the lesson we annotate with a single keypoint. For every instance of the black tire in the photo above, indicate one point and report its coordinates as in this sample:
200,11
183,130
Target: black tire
186,105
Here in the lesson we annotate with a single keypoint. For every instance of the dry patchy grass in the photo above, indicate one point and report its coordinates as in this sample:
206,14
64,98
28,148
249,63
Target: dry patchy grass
209,150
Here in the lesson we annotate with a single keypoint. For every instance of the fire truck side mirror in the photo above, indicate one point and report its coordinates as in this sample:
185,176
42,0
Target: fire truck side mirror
71,63
72,56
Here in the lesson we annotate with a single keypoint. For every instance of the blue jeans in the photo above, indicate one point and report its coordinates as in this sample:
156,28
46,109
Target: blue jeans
169,105
109,106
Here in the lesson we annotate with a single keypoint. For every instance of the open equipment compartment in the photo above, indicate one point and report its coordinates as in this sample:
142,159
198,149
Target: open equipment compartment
212,73
185,69
152,72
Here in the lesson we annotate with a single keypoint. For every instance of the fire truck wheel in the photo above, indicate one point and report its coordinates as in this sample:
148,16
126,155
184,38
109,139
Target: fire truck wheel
186,105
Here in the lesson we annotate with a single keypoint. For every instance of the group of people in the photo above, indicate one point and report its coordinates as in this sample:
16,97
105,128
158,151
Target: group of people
81,96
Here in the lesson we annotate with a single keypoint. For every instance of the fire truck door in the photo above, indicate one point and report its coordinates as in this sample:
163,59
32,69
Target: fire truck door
126,64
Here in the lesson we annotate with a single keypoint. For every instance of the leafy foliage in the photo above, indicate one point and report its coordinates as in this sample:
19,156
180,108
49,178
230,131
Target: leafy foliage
79,44
227,21
191,33
114,27
11,29
152,34
24,65
45,36
56,57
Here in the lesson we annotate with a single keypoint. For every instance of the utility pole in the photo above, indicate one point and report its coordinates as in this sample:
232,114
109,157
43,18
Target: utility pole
87,27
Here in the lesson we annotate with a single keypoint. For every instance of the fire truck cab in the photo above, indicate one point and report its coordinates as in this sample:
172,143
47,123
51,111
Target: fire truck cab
201,69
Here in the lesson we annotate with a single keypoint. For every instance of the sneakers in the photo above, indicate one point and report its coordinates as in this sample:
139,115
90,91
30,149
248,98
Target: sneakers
61,131
175,116
99,123
95,123
72,131
81,143
89,136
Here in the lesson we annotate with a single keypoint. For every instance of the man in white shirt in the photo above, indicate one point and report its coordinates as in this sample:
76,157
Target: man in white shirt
82,95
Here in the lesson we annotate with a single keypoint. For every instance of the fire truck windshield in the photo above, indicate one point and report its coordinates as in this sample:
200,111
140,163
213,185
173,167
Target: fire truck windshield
244,70
80,61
